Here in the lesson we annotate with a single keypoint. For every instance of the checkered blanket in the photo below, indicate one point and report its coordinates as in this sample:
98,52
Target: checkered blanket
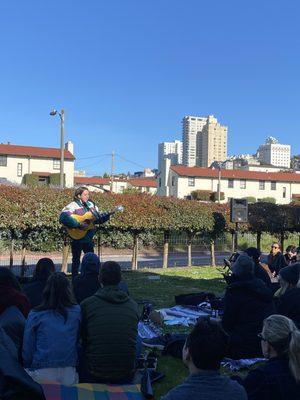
88,391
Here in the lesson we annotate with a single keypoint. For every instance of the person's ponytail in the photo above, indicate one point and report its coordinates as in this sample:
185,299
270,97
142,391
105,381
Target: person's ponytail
294,354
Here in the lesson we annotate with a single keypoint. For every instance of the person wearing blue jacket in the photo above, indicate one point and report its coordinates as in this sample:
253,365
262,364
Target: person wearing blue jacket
51,334
79,206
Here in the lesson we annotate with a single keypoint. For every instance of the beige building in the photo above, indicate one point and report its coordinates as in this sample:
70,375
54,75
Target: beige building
16,161
211,143
180,181
204,141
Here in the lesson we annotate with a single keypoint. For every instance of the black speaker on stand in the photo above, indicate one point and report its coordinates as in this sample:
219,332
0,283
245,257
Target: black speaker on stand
238,214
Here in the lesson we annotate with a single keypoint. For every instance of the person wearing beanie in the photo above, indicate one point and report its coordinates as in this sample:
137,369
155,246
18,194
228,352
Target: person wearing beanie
34,289
247,302
287,298
86,284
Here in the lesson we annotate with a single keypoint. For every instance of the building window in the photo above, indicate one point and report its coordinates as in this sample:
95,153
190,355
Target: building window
243,184
19,169
262,185
3,161
173,180
230,183
159,182
273,185
56,164
284,192
191,181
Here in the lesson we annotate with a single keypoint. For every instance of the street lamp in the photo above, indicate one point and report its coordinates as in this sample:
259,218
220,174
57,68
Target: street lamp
219,182
62,144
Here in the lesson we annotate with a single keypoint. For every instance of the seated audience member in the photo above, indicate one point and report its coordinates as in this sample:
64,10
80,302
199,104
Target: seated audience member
290,255
109,330
15,383
259,271
287,298
11,293
204,349
34,289
247,302
276,259
12,321
279,378
51,334
87,283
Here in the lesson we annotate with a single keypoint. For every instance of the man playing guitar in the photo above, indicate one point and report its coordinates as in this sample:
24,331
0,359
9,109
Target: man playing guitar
70,218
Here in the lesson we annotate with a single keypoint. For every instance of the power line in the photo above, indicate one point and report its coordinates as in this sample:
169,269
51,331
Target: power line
132,162
87,158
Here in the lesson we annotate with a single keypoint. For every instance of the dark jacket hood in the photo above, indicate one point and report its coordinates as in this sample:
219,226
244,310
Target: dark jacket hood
112,294
255,286
90,264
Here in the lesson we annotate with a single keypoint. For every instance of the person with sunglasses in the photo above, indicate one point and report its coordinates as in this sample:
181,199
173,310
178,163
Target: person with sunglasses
290,255
279,377
276,259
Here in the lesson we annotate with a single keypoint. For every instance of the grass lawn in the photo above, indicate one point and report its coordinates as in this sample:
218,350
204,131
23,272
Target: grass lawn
161,293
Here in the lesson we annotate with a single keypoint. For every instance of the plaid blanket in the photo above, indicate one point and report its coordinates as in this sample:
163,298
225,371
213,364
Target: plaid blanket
88,391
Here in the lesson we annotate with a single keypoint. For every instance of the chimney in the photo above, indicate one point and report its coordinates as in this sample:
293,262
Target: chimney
70,147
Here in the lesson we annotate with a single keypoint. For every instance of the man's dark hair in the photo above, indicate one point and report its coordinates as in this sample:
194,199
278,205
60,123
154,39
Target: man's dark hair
79,191
110,273
7,278
253,253
207,345
291,248
43,269
57,295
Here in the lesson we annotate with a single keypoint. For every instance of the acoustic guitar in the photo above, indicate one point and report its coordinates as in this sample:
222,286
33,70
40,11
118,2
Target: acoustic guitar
89,219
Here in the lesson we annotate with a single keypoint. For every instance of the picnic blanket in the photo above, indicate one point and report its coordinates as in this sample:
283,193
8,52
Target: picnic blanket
183,315
89,391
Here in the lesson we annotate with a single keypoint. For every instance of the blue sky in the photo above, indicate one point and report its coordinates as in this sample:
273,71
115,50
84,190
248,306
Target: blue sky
127,71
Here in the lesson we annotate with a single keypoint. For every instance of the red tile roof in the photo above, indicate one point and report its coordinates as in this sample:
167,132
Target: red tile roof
143,182
30,151
92,180
236,174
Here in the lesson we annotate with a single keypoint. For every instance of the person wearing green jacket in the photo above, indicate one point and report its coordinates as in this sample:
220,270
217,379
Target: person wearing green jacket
109,330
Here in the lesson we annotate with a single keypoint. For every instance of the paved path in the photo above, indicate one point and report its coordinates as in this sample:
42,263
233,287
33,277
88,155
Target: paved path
144,261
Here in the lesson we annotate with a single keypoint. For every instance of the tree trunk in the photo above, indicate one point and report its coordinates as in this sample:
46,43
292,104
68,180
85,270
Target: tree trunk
134,263
11,253
232,242
166,249
282,240
258,241
23,260
212,253
65,254
189,248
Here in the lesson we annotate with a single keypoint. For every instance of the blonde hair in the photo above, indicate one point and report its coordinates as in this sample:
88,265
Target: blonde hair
282,334
284,286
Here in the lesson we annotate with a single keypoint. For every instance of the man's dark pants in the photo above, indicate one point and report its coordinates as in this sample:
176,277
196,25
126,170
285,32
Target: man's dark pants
77,248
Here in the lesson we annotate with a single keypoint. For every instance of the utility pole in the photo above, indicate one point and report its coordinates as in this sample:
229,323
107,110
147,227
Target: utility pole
112,171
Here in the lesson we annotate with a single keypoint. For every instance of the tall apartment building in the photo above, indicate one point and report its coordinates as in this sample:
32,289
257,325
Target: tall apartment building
212,143
204,141
191,128
274,153
171,150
